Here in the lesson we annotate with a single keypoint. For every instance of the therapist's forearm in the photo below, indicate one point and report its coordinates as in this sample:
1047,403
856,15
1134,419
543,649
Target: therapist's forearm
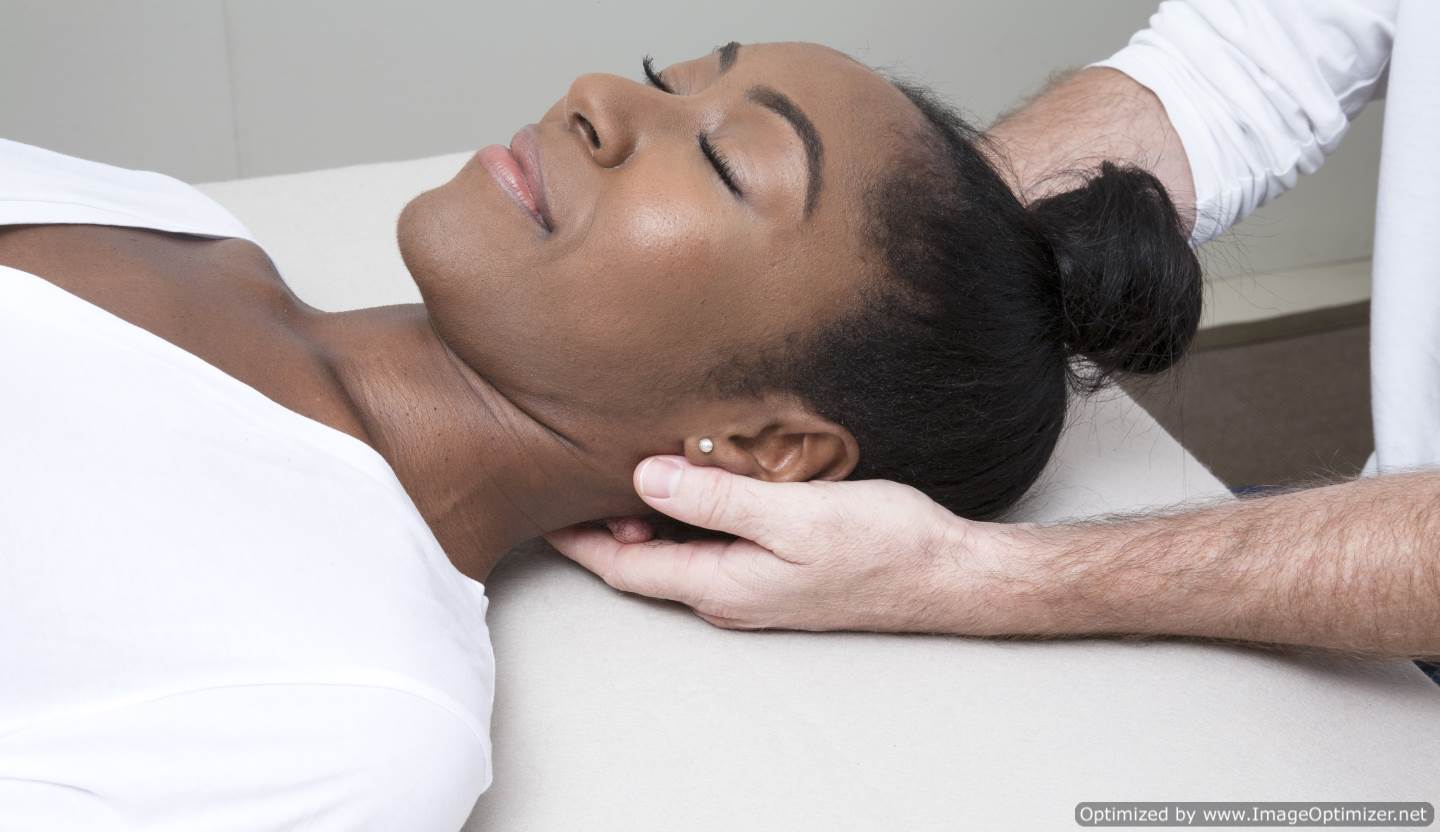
1085,118
1353,566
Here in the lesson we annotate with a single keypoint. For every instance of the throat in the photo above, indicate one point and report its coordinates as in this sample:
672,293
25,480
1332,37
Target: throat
484,474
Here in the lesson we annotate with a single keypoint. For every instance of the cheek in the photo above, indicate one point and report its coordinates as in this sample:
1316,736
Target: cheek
637,308
669,260
660,279
666,230
659,274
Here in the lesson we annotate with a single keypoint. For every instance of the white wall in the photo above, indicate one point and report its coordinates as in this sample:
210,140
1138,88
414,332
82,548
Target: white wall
218,89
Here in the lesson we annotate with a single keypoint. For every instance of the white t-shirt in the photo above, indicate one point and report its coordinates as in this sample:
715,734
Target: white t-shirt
215,613
1261,91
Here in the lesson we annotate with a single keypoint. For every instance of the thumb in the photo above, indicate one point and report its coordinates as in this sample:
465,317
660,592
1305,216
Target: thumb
717,499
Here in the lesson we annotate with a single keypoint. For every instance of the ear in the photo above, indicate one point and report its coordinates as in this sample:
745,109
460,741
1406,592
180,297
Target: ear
779,440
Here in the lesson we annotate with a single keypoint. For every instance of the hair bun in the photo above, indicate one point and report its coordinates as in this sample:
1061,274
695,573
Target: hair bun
1129,285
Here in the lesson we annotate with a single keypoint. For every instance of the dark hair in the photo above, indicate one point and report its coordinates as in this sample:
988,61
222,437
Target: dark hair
953,370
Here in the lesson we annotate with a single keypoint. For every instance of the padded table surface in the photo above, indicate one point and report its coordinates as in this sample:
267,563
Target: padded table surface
615,712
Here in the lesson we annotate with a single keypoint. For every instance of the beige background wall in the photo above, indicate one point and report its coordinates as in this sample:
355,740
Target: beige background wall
219,89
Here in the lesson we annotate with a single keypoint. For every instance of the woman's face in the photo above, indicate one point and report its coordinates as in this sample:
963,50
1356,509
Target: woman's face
655,268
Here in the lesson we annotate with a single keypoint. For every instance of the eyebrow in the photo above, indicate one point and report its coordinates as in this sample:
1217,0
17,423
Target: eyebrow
780,104
727,55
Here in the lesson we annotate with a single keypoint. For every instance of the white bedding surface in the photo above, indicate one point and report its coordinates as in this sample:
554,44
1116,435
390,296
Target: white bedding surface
614,712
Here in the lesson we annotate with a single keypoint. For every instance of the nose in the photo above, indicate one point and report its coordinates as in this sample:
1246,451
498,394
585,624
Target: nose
610,113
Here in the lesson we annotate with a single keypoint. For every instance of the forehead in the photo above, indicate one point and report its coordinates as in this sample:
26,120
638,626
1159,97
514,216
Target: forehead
804,67
853,108
862,120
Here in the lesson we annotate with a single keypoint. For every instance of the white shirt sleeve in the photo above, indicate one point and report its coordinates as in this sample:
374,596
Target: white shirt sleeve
258,757
1259,91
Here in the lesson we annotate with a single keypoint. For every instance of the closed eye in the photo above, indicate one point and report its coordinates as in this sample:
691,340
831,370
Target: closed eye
722,166
654,77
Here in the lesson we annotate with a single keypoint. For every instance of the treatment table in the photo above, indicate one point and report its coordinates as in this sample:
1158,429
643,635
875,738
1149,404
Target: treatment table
615,712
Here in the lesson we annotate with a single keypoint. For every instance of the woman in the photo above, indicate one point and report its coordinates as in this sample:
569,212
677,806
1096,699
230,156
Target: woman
769,258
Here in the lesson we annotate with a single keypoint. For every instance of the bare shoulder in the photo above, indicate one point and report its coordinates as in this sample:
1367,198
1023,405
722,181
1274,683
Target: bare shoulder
221,300
118,268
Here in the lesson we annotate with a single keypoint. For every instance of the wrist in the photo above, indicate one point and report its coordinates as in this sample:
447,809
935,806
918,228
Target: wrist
1056,579
1037,592
990,579
1053,142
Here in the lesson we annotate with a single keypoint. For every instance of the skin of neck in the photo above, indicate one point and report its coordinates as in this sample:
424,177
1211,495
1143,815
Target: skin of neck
483,473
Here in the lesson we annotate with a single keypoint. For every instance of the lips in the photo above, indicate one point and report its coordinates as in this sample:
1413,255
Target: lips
517,170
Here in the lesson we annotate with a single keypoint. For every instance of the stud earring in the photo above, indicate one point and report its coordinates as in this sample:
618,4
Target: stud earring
705,445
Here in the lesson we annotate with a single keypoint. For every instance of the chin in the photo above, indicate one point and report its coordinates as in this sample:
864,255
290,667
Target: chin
411,233
439,247
453,244
436,235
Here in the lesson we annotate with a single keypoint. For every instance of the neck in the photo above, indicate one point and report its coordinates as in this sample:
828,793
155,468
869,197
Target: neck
483,474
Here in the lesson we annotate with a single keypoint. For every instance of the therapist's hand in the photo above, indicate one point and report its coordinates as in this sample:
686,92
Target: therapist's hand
857,555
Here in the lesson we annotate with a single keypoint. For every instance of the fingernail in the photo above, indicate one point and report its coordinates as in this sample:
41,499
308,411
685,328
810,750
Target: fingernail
659,477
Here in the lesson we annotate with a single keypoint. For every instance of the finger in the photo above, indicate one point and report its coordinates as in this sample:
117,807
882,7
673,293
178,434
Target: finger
725,623
684,572
630,529
592,548
713,498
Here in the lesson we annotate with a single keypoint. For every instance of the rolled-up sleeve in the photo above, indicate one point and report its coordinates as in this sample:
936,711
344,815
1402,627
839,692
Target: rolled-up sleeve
1259,91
